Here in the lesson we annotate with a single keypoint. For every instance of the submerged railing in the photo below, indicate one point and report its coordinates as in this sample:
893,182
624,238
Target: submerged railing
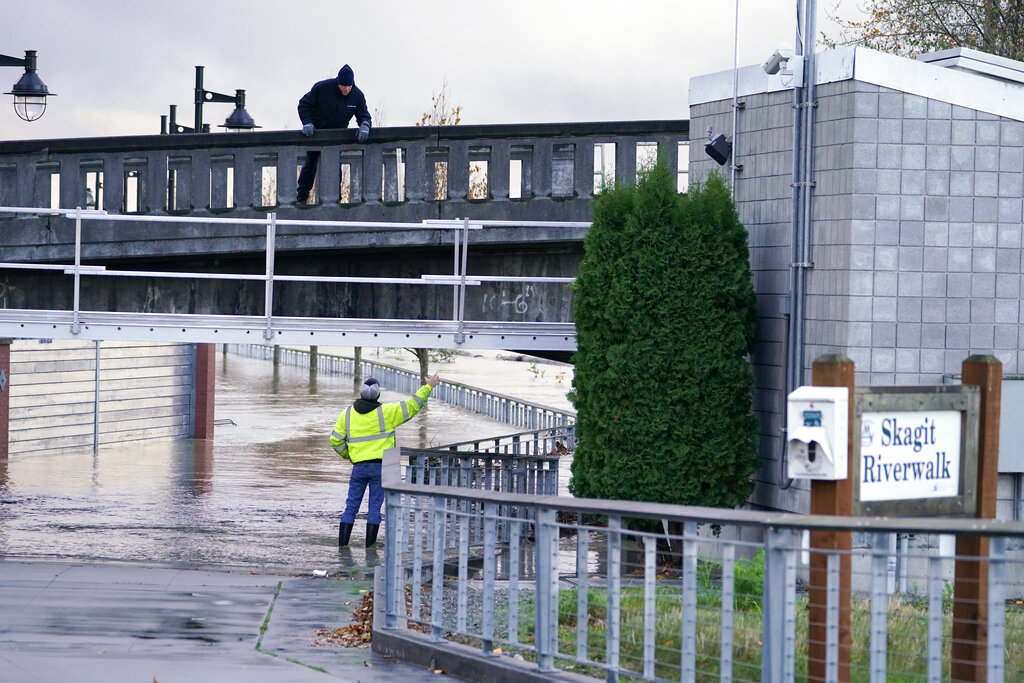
664,592
508,409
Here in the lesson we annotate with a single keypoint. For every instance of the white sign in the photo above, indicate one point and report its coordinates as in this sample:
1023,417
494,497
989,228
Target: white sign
910,455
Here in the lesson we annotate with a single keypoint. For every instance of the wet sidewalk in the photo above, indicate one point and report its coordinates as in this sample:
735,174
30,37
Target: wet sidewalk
84,622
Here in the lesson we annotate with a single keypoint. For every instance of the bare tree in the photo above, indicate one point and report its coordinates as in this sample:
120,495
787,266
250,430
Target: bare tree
913,27
441,112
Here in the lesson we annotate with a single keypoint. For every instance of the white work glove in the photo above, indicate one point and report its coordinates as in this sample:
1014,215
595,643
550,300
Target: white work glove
307,130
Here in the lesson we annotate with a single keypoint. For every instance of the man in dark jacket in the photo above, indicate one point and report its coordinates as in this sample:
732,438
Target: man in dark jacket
330,104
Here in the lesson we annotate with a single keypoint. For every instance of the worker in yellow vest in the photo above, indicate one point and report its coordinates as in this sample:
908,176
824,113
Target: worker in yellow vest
361,434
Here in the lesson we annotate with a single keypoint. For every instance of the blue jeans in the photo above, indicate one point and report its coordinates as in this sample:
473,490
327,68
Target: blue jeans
363,474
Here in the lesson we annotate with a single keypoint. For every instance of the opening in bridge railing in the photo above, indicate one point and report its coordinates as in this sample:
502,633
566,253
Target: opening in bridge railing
273,326
614,589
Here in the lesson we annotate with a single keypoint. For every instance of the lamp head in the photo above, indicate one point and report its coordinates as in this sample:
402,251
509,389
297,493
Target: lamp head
30,92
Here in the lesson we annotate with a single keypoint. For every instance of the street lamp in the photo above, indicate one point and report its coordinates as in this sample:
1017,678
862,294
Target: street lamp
29,92
239,119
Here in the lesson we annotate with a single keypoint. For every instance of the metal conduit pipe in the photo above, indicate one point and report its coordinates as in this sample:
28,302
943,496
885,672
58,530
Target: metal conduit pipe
801,208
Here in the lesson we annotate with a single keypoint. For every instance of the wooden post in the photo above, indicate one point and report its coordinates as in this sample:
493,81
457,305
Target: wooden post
970,583
830,498
205,384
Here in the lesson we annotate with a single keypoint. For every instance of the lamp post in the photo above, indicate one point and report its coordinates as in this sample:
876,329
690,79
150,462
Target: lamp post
29,92
239,118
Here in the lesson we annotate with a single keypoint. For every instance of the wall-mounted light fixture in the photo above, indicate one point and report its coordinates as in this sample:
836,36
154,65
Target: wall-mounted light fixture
718,148
29,92
787,64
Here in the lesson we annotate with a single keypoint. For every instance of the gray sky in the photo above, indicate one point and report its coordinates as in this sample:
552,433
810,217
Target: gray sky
116,65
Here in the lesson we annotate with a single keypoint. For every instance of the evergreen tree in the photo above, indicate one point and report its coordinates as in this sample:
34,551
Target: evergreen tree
664,309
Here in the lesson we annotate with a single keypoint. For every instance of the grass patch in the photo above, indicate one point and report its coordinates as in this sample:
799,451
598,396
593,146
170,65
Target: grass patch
907,629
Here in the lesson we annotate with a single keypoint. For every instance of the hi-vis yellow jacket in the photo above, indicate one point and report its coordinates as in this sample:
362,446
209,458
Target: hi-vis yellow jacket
365,436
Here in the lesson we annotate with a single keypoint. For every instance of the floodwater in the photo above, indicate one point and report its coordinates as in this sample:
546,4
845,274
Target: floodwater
265,493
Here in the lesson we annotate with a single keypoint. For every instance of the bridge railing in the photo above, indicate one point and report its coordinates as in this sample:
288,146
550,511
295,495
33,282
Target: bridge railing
655,592
407,173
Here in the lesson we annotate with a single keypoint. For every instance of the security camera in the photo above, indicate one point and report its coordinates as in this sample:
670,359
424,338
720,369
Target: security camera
783,53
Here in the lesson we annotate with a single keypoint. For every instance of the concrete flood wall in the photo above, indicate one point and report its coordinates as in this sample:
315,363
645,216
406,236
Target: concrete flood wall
138,391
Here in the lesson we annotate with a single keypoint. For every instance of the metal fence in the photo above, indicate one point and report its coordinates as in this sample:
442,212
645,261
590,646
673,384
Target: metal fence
547,441
653,592
507,409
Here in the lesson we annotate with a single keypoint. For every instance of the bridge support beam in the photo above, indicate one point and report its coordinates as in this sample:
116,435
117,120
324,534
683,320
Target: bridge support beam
205,382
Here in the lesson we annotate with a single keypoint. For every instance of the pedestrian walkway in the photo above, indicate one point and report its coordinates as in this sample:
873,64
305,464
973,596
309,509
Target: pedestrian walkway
104,622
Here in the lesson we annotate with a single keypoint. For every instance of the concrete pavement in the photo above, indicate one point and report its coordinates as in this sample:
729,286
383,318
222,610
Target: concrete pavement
108,622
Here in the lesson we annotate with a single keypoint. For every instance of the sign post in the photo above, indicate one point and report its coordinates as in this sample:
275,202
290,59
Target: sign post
970,583
913,451
830,498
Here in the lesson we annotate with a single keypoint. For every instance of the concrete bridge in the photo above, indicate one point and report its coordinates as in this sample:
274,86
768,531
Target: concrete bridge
201,203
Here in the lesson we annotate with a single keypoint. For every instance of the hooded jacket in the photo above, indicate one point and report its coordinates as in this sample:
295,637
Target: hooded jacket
366,429
325,107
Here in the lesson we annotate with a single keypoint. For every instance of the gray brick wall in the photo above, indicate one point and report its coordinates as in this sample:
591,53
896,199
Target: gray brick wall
916,240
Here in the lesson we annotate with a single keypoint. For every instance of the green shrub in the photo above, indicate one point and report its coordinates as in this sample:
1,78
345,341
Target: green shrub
665,309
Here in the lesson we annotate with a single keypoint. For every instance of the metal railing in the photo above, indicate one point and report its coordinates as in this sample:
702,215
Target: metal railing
549,440
655,592
455,332
508,409
535,475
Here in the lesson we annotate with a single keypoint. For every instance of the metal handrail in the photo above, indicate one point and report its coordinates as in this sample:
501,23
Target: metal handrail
460,280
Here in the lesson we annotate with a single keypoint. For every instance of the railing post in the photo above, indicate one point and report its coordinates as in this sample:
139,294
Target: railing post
778,601
996,655
612,598
460,336
490,545
268,333
437,587
393,561
688,657
877,645
547,589
75,326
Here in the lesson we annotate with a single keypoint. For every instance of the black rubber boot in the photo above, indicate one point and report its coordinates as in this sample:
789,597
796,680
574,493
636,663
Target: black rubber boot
344,531
371,534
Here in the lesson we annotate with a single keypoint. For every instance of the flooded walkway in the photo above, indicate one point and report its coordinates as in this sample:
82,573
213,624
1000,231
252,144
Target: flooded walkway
264,494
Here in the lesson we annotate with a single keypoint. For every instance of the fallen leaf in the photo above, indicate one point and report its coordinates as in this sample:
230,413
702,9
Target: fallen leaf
366,663
439,672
